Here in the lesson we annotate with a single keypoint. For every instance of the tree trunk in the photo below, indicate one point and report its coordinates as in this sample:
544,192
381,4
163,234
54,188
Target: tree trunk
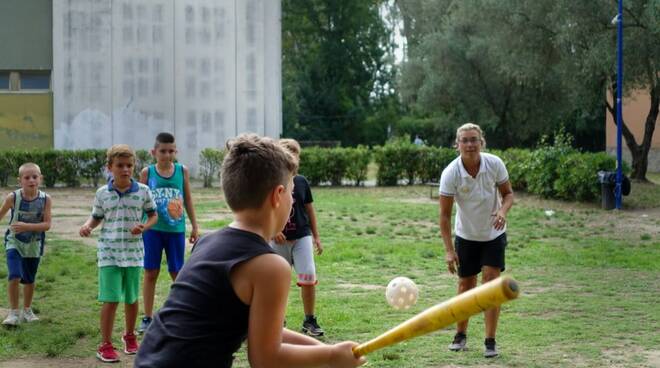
639,166
639,152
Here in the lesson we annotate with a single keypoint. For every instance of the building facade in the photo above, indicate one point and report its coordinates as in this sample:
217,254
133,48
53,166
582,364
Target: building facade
122,71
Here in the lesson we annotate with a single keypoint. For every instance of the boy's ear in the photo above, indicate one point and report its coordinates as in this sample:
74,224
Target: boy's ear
153,152
276,195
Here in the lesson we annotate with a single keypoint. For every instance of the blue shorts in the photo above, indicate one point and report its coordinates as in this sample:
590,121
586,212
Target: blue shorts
21,268
156,241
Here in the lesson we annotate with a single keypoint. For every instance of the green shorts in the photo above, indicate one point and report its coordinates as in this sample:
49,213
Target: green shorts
119,284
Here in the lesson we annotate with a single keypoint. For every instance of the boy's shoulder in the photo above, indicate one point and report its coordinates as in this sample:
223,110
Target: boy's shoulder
300,179
102,189
142,187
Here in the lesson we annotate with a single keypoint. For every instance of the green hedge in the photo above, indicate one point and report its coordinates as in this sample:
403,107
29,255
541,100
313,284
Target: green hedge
552,170
333,165
577,176
517,162
210,162
57,166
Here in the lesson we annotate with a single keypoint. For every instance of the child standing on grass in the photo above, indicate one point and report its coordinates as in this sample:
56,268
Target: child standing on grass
234,287
120,206
297,241
170,185
24,240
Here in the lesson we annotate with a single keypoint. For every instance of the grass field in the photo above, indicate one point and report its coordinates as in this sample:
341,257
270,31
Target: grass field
589,280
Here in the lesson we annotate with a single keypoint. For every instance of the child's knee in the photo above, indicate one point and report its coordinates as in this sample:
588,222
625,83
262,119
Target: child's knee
151,275
307,279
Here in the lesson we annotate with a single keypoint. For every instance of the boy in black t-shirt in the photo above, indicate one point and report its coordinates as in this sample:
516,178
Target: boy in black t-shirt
233,286
296,242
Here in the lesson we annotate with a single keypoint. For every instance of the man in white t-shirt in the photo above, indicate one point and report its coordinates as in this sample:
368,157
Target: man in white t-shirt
479,184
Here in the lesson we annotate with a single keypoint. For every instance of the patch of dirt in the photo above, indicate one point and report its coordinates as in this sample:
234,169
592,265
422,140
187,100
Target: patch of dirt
470,366
653,358
91,362
71,208
625,355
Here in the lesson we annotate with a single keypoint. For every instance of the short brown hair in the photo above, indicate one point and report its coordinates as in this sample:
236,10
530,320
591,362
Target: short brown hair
119,150
252,167
292,145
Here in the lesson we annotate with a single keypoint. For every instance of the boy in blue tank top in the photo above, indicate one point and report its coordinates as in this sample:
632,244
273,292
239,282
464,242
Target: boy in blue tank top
24,240
170,184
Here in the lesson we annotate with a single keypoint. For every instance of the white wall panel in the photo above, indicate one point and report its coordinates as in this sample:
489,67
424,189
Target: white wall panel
205,70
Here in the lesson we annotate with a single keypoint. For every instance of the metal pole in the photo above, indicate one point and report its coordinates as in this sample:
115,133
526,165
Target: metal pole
619,106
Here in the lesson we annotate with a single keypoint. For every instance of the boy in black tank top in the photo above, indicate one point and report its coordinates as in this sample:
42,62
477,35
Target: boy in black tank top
233,286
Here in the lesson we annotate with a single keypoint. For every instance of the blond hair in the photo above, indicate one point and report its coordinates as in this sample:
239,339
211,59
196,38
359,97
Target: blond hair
292,145
28,165
119,150
471,126
253,166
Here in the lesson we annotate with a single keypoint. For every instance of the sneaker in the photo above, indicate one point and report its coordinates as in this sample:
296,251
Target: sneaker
459,343
130,343
28,316
106,353
13,318
491,350
311,327
146,321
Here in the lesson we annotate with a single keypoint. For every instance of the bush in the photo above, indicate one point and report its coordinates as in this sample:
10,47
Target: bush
390,168
433,161
545,162
142,159
336,164
358,160
517,162
312,165
210,162
8,166
92,165
68,167
577,176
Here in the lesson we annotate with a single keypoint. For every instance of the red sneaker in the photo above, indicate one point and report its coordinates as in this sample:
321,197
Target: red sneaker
106,353
130,343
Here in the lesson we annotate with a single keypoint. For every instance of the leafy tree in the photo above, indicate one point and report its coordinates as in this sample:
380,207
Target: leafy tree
520,68
479,62
337,70
587,39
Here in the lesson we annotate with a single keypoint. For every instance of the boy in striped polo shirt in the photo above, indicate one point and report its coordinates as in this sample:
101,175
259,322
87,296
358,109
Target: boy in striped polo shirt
120,205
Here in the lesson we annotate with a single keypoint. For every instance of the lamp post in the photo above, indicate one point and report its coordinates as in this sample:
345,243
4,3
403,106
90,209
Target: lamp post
619,105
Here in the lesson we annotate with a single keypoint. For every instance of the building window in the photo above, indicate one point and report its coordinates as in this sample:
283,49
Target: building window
25,81
4,80
35,80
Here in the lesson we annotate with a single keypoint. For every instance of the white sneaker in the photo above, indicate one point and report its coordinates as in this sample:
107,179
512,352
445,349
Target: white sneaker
13,318
28,315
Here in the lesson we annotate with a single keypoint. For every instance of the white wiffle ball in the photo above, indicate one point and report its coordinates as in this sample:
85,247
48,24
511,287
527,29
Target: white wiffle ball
401,293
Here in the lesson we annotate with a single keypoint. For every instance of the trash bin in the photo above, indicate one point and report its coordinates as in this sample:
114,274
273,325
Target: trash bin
607,180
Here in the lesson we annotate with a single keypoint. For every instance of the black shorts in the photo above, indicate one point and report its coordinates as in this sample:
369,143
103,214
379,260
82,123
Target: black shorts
472,255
